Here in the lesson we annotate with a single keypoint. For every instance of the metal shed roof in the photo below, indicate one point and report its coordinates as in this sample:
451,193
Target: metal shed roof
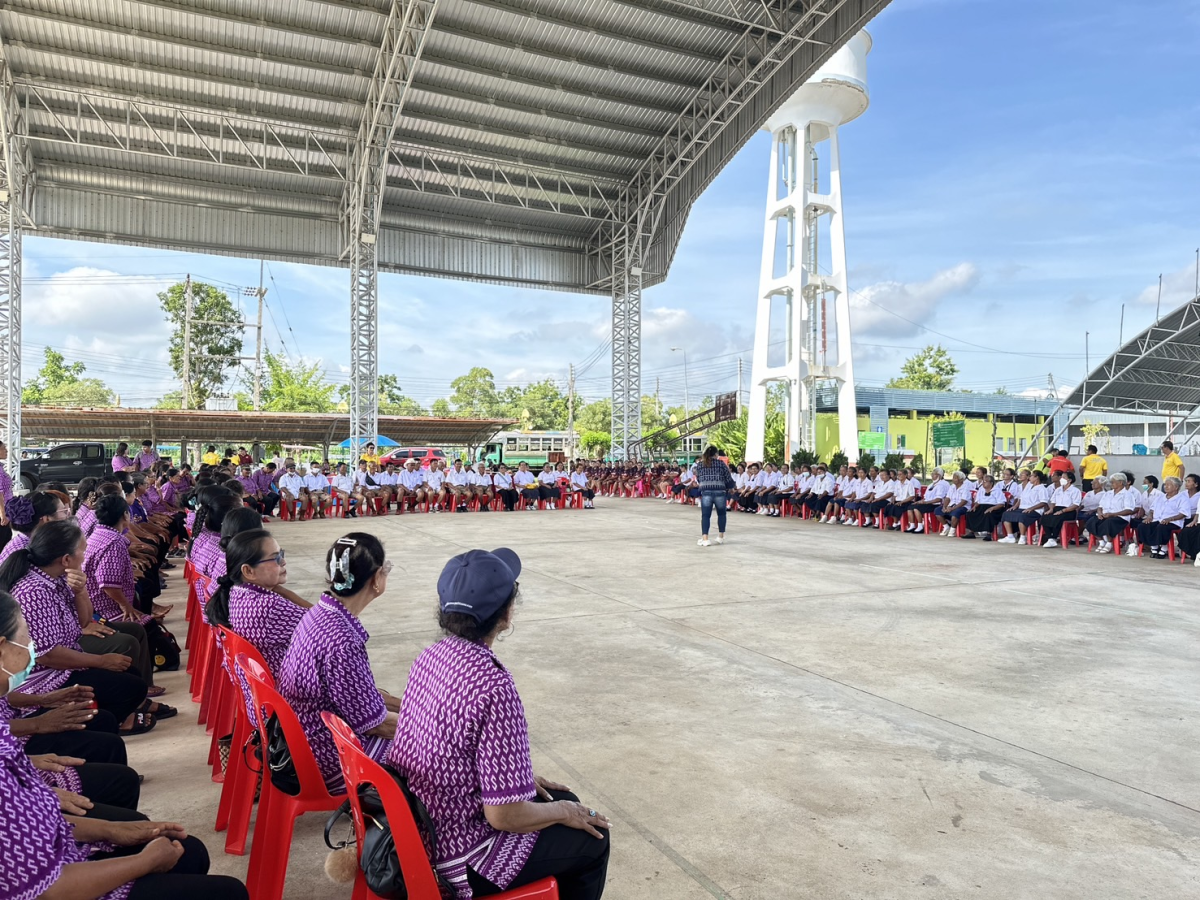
203,426
228,126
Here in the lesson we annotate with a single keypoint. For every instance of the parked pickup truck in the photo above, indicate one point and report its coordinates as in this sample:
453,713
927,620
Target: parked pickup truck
68,463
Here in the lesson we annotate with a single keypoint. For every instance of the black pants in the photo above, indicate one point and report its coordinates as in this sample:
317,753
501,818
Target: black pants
1106,528
508,497
1189,541
269,501
189,880
1052,524
576,859
548,493
1086,485
588,494
97,745
1155,534
110,785
118,692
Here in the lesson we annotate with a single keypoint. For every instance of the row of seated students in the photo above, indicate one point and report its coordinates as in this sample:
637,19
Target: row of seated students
458,734
80,641
1019,508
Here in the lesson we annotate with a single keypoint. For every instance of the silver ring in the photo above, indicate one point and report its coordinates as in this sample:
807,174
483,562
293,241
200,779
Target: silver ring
592,813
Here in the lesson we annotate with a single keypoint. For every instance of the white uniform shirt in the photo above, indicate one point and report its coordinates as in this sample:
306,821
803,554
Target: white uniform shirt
502,482
387,479
1149,498
1032,495
292,482
548,478
938,490
435,480
343,483
1091,501
885,490
902,490
1012,488
994,497
804,483
523,478
787,482
1193,501
579,481
458,478
1165,507
964,494
1066,496
687,476
317,483
862,488
772,479
484,480
1114,501
739,480
826,484
360,478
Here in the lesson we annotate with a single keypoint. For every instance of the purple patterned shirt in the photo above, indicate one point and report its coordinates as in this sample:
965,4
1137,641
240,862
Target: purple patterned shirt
36,841
19,542
463,742
86,519
265,481
49,607
121,463
326,669
6,485
107,565
152,501
146,459
267,621
207,557
170,495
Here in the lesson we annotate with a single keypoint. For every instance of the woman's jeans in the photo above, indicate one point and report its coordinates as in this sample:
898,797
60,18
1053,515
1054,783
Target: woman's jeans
707,499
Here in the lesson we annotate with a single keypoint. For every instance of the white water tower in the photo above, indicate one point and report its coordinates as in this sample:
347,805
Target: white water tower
803,281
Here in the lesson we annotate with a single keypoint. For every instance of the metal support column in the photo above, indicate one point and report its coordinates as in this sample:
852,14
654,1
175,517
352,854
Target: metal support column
404,39
628,253
15,185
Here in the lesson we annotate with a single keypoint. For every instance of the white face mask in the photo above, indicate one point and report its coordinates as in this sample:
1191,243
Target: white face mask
1064,481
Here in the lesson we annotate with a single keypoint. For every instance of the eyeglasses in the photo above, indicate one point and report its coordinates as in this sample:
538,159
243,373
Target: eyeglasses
277,559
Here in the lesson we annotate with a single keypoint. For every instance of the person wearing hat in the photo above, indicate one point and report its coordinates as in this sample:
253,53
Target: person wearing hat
463,743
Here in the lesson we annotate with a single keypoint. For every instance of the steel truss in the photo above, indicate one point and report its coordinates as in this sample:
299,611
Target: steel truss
772,35
403,40
16,185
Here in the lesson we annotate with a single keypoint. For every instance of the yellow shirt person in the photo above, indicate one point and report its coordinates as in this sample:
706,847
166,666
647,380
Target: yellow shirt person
1172,464
1093,465
211,458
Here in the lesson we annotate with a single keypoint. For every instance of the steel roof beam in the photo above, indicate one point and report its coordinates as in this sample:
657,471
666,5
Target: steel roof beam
574,24
574,90
558,55
745,14
514,159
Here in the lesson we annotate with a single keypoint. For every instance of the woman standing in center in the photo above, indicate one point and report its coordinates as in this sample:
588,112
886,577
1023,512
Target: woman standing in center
715,480
326,668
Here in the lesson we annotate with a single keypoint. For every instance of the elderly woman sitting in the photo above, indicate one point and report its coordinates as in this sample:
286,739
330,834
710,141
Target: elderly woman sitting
463,743
1112,518
1170,510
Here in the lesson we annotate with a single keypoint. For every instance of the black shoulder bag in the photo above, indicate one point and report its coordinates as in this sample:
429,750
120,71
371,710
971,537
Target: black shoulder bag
379,862
279,759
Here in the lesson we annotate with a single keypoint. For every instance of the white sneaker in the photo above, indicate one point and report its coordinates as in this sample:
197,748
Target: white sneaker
1131,550
1007,540
703,542
849,522
720,540
945,530
1022,542
1050,543
1196,562
822,520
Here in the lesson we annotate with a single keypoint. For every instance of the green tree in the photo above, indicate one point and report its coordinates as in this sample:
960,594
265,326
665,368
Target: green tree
216,337
392,401
475,394
595,444
441,408
730,437
930,369
60,384
174,400
594,416
301,387
540,406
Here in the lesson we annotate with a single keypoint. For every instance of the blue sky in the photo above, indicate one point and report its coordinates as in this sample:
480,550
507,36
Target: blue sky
1025,169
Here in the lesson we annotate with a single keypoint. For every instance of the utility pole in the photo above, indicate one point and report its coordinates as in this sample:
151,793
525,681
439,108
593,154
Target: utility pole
260,293
571,412
739,390
187,343
657,397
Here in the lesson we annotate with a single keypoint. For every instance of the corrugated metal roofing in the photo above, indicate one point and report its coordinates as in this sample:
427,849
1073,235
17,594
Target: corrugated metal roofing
243,427
225,125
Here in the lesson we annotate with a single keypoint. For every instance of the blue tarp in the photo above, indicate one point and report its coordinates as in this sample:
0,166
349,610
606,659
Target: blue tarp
379,442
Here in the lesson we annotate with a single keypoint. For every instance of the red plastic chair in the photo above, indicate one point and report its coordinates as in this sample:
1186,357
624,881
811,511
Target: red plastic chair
237,793
277,811
358,769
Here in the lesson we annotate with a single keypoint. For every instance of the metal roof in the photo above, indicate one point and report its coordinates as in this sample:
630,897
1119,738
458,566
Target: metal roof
935,402
529,127
201,426
1157,372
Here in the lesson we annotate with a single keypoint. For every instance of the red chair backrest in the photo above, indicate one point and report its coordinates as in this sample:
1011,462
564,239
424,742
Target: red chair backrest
358,768
268,700
234,645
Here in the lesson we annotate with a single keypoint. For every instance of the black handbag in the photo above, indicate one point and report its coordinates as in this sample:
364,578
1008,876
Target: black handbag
279,759
378,860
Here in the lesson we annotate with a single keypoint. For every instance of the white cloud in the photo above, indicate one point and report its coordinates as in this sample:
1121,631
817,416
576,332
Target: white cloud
872,307
1177,288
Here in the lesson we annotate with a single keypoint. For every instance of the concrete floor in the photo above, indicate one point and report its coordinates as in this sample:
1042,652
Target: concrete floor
808,711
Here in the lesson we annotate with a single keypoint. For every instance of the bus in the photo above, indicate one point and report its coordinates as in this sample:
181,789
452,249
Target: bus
534,447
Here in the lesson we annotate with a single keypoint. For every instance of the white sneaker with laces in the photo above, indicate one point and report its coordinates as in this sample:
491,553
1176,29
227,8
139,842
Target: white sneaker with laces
720,540
1022,542
703,542
1007,540
1050,543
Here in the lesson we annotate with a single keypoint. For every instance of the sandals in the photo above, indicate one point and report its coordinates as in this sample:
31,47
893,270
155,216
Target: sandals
163,711
161,612
155,691
142,723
